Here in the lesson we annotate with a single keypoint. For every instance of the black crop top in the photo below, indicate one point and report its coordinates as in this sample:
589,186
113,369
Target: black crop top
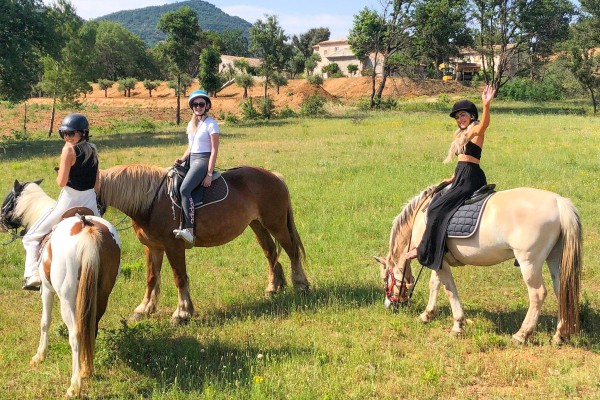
82,176
471,149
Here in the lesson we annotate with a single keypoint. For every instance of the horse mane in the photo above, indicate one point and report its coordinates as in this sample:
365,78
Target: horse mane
32,203
130,188
403,220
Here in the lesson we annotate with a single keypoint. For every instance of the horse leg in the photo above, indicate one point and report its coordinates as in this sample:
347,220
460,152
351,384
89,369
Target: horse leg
154,259
445,277
276,279
282,234
434,289
47,302
532,275
67,311
185,308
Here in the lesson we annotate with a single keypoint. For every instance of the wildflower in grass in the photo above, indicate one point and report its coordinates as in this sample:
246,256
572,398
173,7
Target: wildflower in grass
258,379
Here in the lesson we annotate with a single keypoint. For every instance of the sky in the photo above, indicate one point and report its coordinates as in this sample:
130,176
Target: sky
294,16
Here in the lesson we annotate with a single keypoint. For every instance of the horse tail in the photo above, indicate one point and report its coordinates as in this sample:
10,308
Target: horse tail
570,265
88,252
297,246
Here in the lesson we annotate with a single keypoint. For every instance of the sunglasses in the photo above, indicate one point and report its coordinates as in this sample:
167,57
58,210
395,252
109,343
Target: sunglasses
66,133
198,105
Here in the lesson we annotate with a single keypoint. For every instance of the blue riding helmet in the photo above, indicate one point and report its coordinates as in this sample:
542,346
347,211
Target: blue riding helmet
199,94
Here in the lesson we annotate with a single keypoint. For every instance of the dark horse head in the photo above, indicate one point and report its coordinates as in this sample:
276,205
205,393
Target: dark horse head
8,219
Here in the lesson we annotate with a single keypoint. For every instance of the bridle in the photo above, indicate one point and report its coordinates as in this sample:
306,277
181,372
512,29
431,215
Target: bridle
7,219
405,286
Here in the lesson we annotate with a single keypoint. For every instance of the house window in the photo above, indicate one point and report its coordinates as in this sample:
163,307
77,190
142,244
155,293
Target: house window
336,49
325,52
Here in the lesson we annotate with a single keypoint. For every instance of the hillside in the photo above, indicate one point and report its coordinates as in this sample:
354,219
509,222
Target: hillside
143,21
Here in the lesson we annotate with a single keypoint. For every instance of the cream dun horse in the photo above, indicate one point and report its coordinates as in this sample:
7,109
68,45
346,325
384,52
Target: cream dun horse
528,224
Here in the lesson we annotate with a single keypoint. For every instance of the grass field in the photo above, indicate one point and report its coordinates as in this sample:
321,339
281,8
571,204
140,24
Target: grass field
349,176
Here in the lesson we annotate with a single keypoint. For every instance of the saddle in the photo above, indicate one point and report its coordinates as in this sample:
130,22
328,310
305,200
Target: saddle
217,191
465,220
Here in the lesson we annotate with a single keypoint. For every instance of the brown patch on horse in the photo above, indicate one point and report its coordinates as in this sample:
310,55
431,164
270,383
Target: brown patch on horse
74,211
47,261
76,229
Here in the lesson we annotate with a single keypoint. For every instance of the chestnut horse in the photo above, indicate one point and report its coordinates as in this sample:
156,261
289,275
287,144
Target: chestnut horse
257,198
528,224
80,264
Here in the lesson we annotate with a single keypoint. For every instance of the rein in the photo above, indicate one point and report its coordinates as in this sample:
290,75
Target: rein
404,285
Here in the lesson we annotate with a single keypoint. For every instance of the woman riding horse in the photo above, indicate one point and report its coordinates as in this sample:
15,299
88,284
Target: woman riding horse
467,178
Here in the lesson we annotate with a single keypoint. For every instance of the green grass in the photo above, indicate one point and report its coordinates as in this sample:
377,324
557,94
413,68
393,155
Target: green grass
348,178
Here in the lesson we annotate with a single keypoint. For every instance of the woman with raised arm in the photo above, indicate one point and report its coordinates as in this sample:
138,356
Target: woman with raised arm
467,178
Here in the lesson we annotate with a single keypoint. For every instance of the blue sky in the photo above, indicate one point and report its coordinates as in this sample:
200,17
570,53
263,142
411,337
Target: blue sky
295,16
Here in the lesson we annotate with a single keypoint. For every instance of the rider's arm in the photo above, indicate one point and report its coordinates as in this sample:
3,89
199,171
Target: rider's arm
67,159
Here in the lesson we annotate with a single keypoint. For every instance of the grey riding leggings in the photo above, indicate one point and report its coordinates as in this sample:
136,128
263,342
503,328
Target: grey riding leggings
193,179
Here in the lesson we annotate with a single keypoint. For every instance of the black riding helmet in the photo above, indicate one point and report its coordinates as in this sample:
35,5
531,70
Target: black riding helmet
75,122
465,105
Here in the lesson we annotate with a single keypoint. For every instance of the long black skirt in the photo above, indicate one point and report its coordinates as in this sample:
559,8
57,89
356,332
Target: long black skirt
468,177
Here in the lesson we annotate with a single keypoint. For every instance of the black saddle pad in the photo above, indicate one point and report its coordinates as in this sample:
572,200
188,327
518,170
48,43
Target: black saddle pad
217,191
466,219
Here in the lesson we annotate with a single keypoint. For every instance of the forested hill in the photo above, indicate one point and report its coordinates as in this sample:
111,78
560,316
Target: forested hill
143,21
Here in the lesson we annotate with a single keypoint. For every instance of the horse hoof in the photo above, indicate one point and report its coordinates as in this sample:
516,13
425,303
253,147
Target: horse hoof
517,340
426,317
35,361
179,321
138,316
557,340
456,334
73,392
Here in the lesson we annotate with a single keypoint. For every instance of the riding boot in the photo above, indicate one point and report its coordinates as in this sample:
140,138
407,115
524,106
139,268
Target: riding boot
187,235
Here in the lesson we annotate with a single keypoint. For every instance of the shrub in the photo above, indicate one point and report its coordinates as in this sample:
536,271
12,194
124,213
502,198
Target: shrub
521,89
313,105
315,79
267,107
286,112
248,110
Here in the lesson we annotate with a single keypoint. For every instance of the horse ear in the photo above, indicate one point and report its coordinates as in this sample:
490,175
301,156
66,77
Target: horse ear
38,181
380,260
17,187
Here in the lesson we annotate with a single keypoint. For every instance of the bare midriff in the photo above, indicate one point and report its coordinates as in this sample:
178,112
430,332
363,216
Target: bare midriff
471,159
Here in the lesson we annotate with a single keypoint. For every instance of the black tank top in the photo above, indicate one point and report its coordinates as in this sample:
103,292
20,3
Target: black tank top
471,149
82,176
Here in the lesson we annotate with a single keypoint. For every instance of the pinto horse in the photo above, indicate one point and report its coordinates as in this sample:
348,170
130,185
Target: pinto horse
528,224
79,263
257,198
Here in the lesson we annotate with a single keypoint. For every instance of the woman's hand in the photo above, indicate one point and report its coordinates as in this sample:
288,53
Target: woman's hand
488,94
207,181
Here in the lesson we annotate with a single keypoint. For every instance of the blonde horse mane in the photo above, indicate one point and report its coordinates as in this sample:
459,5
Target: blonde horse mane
403,221
130,188
32,203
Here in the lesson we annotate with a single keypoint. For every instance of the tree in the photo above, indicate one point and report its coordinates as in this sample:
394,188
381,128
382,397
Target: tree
105,84
125,85
121,54
584,58
311,63
25,34
181,27
246,81
352,69
296,65
517,30
150,86
279,80
66,74
305,41
209,78
441,29
233,43
269,44
383,35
